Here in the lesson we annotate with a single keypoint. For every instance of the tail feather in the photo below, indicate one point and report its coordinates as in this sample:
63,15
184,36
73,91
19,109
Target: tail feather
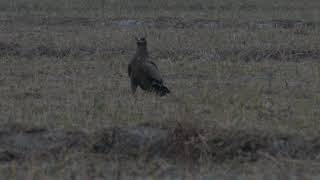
160,89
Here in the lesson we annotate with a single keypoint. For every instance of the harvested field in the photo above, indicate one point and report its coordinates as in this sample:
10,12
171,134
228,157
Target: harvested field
244,80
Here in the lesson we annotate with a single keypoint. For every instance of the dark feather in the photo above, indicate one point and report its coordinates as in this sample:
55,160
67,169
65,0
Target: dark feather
145,73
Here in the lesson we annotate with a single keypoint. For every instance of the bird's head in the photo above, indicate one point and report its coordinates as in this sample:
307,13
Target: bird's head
141,42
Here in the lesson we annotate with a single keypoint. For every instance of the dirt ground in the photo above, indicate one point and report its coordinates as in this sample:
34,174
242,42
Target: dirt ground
244,78
170,151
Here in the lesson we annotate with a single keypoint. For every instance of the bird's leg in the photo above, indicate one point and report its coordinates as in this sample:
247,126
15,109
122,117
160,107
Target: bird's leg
133,87
133,90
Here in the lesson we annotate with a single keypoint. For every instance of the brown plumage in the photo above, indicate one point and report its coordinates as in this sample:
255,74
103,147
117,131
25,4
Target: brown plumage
145,73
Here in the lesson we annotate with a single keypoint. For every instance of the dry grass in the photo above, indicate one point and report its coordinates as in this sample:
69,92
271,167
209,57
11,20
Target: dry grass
228,63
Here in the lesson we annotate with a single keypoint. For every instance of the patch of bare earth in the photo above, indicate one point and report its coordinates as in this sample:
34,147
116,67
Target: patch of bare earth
20,143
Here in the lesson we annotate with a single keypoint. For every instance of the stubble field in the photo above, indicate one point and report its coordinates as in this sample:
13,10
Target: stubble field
244,77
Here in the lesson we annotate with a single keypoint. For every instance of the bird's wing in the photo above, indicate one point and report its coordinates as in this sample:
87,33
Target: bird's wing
151,70
153,64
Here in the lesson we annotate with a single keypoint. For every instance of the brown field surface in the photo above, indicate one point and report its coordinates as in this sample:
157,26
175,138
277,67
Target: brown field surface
244,79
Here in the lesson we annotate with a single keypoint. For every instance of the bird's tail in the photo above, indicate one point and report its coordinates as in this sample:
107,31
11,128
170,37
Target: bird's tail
160,89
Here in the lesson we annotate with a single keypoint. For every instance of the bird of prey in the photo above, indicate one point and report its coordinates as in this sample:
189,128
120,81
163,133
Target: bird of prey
145,73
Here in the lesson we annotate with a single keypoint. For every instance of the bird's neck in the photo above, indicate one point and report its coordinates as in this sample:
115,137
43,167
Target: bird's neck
142,52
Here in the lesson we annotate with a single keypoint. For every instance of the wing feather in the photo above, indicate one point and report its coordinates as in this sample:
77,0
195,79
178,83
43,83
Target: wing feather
151,70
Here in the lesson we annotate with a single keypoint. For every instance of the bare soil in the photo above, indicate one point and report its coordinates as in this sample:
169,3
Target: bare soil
179,143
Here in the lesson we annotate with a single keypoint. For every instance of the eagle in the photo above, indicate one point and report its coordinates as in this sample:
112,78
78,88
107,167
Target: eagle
145,73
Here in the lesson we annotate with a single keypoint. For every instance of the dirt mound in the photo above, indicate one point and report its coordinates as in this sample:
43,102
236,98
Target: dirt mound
18,142
131,141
